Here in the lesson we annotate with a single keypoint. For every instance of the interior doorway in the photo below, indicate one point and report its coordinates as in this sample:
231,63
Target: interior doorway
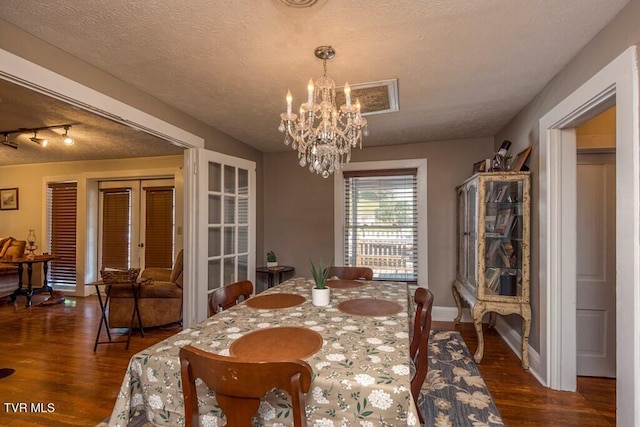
596,246
616,84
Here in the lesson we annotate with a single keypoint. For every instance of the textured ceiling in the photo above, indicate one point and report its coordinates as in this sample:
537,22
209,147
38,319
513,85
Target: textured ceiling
95,137
464,67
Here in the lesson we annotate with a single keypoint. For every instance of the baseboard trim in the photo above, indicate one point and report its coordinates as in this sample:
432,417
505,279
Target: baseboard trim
514,341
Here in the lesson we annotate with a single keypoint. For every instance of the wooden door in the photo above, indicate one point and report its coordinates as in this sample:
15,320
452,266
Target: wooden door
596,262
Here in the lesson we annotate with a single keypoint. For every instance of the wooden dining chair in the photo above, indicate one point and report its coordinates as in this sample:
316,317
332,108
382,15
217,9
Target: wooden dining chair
351,273
229,295
240,384
419,348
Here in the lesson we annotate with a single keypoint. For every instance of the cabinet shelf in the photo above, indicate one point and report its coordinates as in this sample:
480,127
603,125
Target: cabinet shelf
493,235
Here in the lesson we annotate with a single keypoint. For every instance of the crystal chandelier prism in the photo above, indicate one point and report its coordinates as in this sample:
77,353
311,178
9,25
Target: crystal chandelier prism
323,134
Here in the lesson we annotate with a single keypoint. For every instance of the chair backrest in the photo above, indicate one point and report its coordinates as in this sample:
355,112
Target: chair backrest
239,384
419,349
351,273
228,296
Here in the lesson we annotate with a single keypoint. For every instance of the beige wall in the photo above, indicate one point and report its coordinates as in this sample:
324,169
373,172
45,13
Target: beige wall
523,130
19,42
299,206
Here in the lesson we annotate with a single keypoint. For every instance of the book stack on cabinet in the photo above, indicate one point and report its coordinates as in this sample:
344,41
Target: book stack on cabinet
493,238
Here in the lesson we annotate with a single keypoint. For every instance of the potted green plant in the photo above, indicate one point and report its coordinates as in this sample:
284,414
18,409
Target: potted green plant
272,261
320,294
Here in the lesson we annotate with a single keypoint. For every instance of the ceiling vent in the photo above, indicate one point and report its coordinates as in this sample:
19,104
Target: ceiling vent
375,97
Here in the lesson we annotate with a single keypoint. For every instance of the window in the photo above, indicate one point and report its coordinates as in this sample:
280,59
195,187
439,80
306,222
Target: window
61,219
381,203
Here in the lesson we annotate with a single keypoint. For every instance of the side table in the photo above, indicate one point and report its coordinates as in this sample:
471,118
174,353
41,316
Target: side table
29,291
272,271
135,289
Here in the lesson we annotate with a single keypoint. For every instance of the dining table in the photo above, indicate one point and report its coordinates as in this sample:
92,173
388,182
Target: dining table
357,346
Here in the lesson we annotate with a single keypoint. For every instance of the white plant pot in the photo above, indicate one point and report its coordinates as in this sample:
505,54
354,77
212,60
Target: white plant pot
272,264
320,297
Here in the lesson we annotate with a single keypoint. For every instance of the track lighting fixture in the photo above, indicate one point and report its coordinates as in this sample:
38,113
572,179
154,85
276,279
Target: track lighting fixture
42,141
8,143
66,139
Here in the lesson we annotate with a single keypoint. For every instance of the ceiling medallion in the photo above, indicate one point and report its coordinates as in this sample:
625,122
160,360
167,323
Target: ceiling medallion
298,3
323,134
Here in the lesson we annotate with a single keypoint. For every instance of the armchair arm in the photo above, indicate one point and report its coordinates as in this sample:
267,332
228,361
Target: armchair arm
156,273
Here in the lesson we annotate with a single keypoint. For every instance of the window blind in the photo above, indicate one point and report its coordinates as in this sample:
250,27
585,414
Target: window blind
116,227
159,223
381,222
62,209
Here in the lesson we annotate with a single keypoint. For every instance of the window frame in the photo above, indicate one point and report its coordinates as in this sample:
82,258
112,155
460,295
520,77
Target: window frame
339,201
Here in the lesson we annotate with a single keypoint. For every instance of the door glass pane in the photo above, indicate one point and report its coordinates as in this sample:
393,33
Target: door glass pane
243,182
229,179
214,210
243,210
215,177
214,274
243,263
229,270
215,237
243,239
229,209
229,240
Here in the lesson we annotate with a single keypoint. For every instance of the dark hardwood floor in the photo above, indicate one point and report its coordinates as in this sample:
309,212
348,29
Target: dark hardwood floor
522,401
59,381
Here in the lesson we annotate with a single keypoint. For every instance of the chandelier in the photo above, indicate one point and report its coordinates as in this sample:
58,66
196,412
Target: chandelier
323,135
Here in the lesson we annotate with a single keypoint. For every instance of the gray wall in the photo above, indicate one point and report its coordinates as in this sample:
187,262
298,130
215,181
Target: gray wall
621,33
299,205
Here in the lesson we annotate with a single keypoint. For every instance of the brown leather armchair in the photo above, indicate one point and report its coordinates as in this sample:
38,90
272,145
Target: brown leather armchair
159,301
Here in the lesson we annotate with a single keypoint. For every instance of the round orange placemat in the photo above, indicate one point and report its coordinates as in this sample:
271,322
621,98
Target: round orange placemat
369,307
280,343
273,301
344,284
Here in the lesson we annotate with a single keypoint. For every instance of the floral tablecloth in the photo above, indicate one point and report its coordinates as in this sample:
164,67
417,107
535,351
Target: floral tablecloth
361,372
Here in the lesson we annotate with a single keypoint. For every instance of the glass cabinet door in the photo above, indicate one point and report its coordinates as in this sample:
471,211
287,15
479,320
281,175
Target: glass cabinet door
461,235
471,233
503,222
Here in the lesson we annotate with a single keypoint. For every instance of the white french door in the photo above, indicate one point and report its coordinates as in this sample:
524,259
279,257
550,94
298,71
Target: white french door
125,220
226,225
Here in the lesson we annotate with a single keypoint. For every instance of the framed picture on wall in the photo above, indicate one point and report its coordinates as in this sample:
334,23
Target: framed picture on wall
8,199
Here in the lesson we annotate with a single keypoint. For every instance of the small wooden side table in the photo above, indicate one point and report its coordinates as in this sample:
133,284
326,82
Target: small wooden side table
272,271
30,291
135,289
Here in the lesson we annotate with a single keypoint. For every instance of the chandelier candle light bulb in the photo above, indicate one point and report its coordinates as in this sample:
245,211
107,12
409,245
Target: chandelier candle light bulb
323,134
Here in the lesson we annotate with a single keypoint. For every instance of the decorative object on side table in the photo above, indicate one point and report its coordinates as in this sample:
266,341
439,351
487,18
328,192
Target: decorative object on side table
320,294
272,260
31,244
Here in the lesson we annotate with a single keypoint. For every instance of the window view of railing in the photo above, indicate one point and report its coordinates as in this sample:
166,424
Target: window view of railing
381,229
